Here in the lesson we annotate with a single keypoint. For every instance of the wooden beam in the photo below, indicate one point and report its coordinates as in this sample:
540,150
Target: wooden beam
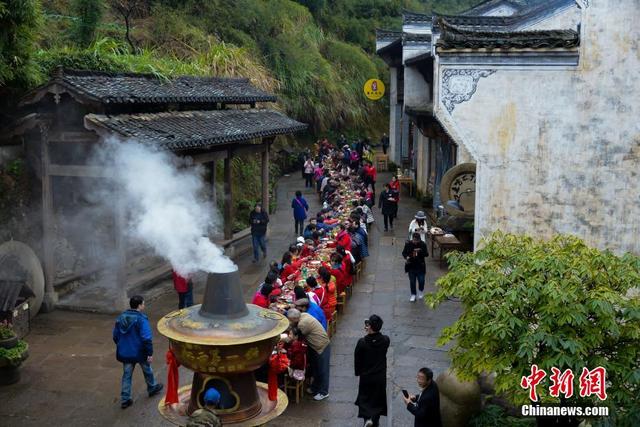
208,157
79,170
228,198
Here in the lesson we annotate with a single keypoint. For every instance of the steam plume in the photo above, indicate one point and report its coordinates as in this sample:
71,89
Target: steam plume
166,206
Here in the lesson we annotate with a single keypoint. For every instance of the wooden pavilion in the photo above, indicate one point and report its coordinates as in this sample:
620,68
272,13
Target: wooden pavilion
207,119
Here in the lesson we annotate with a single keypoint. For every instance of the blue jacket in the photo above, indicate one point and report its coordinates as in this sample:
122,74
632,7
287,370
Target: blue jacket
132,335
315,310
300,208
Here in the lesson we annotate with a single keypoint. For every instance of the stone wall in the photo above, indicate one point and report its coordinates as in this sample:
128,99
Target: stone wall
558,147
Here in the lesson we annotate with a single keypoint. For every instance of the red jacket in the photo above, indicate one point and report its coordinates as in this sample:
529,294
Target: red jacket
347,268
297,355
395,186
330,299
344,239
373,173
290,269
260,300
306,251
320,292
181,284
342,280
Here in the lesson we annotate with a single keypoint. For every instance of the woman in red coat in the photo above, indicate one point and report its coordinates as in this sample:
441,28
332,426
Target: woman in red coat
289,267
320,292
343,238
395,185
328,283
297,350
261,298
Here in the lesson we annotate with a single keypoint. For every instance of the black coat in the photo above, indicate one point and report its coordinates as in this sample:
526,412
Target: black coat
426,408
416,252
370,362
388,207
258,222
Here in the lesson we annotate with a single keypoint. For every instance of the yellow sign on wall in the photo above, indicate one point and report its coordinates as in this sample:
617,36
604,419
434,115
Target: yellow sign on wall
374,89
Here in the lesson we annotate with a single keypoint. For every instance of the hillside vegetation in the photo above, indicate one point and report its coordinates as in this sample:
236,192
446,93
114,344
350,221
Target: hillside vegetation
315,54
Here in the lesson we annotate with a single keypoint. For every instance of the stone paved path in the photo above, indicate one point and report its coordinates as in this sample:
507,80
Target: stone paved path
412,327
72,378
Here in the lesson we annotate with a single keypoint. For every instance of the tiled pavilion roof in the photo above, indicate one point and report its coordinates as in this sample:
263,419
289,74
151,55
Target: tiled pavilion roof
179,130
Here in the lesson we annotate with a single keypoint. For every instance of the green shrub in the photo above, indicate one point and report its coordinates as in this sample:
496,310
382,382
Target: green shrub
549,303
6,331
14,356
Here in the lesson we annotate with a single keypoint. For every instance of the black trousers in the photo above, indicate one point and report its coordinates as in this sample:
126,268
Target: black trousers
388,221
384,149
300,225
308,183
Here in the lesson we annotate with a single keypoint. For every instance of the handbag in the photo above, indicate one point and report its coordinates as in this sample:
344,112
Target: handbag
297,374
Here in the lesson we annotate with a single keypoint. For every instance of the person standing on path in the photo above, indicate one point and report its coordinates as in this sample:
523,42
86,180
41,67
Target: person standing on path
419,225
414,253
184,288
370,362
425,407
300,208
308,173
384,141
259,220
132,335
388,205
319,349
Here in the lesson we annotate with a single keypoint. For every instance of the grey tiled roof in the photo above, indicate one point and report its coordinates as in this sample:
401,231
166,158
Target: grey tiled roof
413,17
197,129
503,23
416,38
382,34
456,38
132,88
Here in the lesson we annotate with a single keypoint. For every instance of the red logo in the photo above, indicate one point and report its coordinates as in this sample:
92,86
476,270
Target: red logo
532,381
592,382
562,383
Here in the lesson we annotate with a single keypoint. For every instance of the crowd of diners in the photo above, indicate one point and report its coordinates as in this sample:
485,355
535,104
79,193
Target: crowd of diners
315,276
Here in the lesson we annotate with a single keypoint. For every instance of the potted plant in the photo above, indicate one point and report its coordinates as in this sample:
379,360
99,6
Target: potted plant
13,352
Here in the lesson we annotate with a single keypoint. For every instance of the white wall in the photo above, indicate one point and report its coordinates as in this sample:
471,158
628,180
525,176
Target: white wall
558,149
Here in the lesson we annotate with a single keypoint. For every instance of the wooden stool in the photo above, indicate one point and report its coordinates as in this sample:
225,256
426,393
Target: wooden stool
358,267
382,162
342,302
294,385
333,324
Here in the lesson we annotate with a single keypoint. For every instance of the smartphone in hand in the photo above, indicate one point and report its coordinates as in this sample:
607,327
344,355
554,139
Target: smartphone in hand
405,393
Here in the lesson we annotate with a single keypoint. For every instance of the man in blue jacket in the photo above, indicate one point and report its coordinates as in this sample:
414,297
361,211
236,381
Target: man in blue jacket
132,335
300,208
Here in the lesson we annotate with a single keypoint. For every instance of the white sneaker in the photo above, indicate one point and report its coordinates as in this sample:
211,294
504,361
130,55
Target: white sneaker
368,423
413,298
320,396
420,295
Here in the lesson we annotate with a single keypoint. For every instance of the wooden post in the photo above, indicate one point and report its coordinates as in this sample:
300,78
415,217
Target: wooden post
265,176
48,234
121,297
214,192
228,198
